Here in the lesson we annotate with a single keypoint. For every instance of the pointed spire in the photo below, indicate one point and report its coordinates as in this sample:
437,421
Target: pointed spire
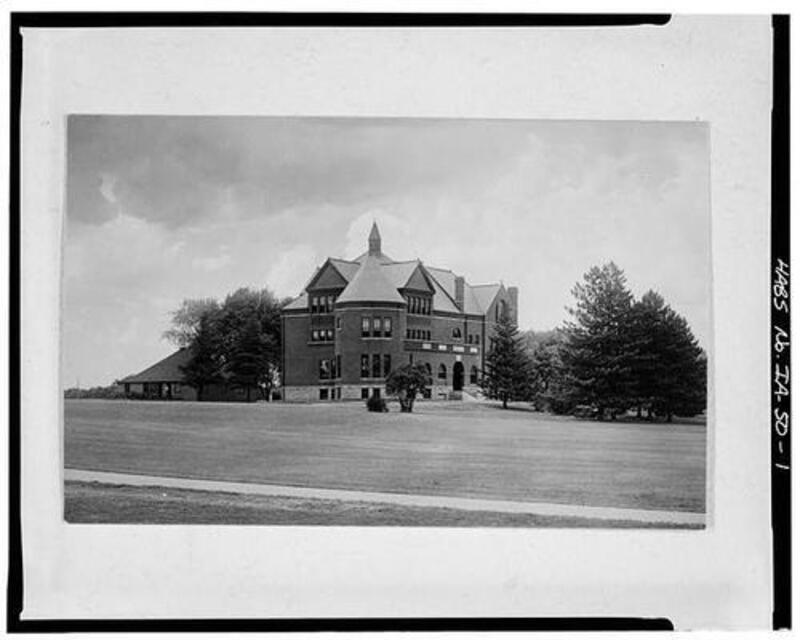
374,240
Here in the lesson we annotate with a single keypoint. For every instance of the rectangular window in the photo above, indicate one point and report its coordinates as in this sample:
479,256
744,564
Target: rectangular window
315,335
365,327
364,365
387,327
323,394
376,365
330,304
376,392
338,366
387,364
364,393
329,334
324,369
339,322
376,327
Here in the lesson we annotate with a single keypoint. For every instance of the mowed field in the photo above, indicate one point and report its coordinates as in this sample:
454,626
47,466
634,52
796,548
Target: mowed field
448,449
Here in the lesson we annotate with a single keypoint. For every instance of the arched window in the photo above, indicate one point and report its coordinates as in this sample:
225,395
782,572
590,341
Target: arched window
473,375
428,367
456,333
442,372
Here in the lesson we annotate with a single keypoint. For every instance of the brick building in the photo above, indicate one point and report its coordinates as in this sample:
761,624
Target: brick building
358,319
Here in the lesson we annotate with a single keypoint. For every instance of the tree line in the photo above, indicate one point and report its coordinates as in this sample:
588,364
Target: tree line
235,343
614,354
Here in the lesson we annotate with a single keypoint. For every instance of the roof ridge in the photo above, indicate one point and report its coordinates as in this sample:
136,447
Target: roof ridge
488,284
441,269
343,260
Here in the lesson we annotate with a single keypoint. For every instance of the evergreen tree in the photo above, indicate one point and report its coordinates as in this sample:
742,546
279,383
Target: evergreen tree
647,341
596,351
682,370
507,373
669,367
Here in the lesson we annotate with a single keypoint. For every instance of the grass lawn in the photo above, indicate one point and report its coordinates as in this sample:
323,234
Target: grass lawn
453,449
88,502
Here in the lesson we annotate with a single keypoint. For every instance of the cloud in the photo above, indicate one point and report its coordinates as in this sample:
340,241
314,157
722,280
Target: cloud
162,209
398,239
291,270
180,171
213,263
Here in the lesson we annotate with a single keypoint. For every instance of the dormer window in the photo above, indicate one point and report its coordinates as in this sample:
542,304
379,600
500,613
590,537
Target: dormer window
417,305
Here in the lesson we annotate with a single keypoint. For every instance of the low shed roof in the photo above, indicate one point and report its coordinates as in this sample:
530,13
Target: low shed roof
166,370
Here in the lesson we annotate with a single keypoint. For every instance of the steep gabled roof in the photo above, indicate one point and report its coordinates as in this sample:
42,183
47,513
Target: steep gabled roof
471,304
347,268
166,370
399,273
375,277
485,294
445,278
370,284
328,276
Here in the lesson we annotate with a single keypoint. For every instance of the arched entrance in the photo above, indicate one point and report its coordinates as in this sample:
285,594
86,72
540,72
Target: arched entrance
458,376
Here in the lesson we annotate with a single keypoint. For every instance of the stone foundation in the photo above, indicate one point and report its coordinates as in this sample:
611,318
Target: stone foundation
310,393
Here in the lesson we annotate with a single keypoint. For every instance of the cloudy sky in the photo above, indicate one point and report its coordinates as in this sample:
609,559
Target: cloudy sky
165,208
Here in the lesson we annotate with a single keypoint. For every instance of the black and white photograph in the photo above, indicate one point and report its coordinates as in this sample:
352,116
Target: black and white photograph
392,322
334,318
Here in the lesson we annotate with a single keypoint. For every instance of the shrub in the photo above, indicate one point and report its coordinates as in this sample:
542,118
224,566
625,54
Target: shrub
376,404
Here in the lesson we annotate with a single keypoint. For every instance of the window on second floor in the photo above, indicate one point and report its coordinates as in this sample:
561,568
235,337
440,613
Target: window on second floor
387,327
456,333
322,335
365,327
442,372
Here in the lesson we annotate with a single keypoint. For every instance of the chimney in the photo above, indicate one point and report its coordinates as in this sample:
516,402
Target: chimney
513,293
460,292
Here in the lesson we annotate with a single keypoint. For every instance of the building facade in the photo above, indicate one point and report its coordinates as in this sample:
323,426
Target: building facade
358,319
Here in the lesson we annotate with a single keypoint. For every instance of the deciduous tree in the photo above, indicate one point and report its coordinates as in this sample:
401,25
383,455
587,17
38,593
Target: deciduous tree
406,382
